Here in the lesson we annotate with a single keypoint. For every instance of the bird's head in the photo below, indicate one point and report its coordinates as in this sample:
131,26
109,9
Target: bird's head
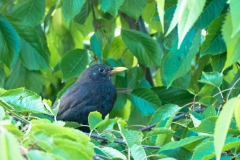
99,72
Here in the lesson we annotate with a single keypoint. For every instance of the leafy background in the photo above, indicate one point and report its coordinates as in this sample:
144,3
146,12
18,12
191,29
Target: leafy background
179,98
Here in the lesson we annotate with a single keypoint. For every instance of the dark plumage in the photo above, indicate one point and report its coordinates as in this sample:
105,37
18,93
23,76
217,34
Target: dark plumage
93,91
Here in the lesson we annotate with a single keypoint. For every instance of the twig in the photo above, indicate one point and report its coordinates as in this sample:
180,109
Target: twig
183,115
152,155
232,88
104,138
221,94
118,141
124,90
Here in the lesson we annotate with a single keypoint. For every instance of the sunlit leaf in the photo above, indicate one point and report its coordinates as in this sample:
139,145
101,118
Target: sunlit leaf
212,78
113,153
234,5
232,43
23,100
9,146
223,123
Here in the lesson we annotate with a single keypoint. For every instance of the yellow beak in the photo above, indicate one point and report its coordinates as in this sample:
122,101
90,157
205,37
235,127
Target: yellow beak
118,69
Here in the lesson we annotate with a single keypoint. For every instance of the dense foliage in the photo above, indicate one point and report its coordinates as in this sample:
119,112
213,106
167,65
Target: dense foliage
179,98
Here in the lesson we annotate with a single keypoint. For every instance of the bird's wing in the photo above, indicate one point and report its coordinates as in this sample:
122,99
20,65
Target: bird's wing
75,94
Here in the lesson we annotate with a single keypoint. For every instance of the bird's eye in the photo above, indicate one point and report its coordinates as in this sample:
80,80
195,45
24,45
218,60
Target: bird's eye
101,69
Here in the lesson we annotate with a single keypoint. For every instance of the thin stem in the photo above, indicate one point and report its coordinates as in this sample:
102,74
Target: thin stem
220,93
232,88
152,155
4,8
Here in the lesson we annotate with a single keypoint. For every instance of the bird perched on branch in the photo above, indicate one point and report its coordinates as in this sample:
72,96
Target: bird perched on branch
93,91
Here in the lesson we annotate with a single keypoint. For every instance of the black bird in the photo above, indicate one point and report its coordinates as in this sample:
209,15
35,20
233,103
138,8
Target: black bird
93,91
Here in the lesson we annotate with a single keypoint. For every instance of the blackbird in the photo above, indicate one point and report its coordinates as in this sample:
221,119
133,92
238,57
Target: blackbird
93,91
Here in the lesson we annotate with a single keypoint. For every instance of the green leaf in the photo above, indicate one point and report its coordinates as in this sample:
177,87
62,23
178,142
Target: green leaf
22,77
212,78
205,151
51,131
97,44
235,5
131,137
214,44
237,114
181,143
178,154
145,100
70,152
128,59
13,129
189,12
9,43
2,113
142,46
177,62
138,152
2,78
23,100
30,11
160,7
9,146
31,58
217,62
181,97
206,126
233,43
74,63
209,112
71,8
111,6
223,123
206,91
212,10
133,8
39,155
164,112
134,76
186,15
117,48
95,120
112,153
82,16
32,53
156,131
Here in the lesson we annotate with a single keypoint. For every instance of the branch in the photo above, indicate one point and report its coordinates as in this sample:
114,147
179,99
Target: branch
118,141
183,115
